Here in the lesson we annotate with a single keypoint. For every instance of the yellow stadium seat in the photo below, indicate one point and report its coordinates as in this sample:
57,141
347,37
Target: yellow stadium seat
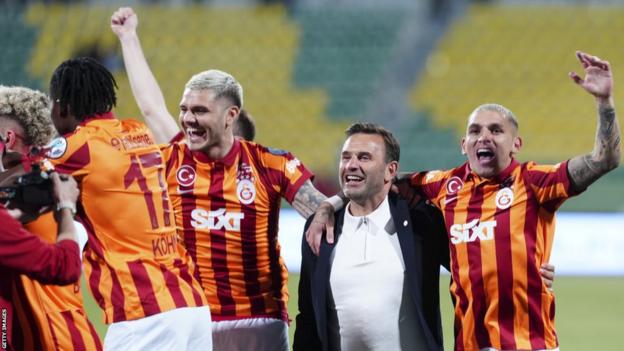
258,45
519,56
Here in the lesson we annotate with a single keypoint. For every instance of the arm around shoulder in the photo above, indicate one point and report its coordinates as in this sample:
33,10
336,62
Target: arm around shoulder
307,199
311,203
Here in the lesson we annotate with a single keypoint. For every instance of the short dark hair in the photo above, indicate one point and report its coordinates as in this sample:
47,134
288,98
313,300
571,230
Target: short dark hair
84,86
393,150
244,126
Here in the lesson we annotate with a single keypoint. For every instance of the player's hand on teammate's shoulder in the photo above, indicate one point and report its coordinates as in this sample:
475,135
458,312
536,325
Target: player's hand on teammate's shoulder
402,186
323,223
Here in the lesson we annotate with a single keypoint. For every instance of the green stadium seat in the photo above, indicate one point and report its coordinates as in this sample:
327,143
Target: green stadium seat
16,40
343,51
259,47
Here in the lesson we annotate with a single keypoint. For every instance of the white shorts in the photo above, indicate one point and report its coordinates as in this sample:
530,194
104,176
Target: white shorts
257,334
185,328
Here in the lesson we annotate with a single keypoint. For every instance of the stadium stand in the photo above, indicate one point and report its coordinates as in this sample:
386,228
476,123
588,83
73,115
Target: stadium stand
344,50
519,56
16,39
309,73
259,48
313,72
426,147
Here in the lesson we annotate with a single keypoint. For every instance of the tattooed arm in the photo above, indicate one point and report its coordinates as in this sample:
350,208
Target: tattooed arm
307,199
586,169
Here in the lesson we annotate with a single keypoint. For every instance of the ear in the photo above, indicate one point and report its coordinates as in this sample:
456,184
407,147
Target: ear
462,145
391,171
11,139
230,115
517,145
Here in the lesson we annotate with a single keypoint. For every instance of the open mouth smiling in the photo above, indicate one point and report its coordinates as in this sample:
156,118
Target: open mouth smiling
353,179
195,133
485,155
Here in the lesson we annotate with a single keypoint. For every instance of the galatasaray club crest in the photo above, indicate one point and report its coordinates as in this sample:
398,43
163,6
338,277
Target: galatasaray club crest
504,198
246,191
186,176
453,185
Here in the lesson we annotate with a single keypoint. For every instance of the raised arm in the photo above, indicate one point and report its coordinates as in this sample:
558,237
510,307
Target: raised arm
598,81
145,89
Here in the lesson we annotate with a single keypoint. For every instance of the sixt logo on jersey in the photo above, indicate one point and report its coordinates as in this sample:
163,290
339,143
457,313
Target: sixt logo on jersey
471,231
216,220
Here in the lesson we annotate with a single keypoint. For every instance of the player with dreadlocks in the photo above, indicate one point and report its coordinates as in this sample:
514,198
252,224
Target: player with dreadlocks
136,270
88,87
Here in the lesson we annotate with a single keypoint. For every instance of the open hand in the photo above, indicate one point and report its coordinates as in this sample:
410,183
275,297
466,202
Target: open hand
598,79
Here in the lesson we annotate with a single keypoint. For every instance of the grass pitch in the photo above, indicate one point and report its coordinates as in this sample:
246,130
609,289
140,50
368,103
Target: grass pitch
590,312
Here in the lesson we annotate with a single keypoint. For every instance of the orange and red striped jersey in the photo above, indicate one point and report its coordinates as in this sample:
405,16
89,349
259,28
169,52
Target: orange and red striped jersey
228,212
134,264
50,317
501,230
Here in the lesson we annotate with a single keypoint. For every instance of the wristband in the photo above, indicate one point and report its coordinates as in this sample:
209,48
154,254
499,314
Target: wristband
336,202
68,205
